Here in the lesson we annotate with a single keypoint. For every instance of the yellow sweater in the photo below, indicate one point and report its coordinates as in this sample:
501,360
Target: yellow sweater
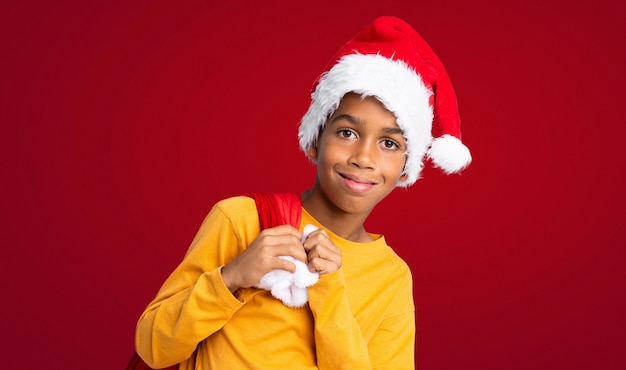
360,317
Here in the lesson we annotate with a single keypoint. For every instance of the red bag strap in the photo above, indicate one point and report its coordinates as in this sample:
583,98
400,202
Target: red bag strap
274,209
277,209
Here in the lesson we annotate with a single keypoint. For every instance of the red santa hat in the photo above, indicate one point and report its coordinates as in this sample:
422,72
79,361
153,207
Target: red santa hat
390,61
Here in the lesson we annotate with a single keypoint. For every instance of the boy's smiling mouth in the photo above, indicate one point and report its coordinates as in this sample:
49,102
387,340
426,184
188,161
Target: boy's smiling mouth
356,183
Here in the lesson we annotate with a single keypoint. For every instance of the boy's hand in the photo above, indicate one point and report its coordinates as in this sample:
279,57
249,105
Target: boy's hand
261,257
322,254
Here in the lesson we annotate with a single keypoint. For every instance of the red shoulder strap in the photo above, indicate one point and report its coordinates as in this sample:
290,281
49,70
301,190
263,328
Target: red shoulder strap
277,209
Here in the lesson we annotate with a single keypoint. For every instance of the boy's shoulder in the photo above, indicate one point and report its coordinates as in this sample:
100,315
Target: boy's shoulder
236,206
238,211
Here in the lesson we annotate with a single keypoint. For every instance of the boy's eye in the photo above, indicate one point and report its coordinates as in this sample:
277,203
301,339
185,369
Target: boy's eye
390,144
345,134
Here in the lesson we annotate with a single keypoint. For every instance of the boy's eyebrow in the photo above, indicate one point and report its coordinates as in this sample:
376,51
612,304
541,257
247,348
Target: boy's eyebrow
356,121
349,118
394,130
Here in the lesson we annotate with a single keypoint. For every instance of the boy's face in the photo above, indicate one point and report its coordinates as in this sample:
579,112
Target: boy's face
360,154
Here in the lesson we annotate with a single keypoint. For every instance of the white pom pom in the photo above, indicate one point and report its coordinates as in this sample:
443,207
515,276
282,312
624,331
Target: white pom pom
307,230
449,153
291,288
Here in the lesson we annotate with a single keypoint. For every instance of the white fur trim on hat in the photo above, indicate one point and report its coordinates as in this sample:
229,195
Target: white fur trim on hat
396,85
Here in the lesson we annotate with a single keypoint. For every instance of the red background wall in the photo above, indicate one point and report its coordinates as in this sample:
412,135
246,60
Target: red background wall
123,122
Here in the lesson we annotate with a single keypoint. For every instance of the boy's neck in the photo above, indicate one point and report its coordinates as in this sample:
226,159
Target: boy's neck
348,226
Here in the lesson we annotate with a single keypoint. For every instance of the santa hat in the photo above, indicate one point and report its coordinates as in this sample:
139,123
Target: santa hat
390,61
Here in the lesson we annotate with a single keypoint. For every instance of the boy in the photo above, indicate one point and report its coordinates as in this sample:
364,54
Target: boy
368,129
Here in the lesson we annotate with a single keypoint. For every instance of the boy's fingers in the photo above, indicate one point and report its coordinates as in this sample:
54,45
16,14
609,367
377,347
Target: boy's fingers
323,256
282,264
283,230
323,266
288,248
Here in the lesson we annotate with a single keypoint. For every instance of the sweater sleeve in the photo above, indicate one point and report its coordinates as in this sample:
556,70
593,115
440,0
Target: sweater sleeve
393,344
339,341
194,302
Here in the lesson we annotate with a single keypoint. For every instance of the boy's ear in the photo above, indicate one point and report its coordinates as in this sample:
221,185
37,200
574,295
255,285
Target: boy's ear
312,152
403,176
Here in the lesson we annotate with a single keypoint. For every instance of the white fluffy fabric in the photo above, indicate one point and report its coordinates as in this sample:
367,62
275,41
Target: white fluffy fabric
449,154
394,83
291,288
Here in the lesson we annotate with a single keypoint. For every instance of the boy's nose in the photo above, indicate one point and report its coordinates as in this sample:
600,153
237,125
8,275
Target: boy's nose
364,156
